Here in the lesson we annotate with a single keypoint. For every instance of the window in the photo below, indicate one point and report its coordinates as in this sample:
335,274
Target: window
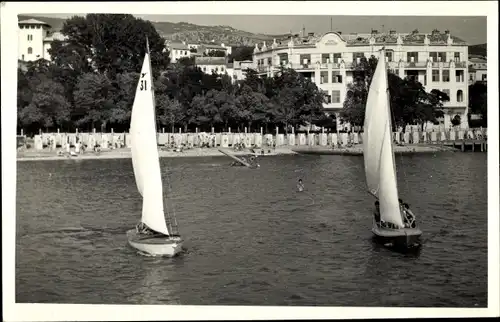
442,56
305,59
388,56
412,57
30,37
425,79
336,77
471,77
336,96
483,77
446,75
325,58
323,77
446,91
433,56
337,58
222,69
435,75
356,57
269,61
30,50
459,76
460,96
457,57
217,69
328,99
22,57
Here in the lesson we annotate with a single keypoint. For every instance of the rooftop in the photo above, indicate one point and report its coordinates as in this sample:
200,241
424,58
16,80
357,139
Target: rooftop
434,37
178,46
210,60
33,22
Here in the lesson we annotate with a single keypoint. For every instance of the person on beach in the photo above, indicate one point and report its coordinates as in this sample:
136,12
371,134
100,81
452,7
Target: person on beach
300,186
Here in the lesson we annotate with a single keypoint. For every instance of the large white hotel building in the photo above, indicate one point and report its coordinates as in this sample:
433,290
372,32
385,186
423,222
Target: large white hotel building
438,60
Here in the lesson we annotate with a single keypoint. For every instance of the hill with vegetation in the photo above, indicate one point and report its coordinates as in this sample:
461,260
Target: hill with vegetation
183,31
479,50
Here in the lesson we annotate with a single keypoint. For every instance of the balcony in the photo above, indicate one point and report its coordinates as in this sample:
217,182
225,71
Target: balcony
460,64
415,65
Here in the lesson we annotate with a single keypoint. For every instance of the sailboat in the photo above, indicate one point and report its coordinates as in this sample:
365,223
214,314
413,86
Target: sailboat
154,235
393,223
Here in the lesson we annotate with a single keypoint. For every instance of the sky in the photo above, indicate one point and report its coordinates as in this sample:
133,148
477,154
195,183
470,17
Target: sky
470,29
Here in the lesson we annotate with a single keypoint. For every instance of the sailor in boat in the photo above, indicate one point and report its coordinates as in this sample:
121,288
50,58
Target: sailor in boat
408,217
300,186
379,221
376,214
143,229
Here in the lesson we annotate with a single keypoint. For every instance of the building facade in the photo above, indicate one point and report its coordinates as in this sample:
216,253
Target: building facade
178,51
477,70
34,40
437,60
236,69
210,65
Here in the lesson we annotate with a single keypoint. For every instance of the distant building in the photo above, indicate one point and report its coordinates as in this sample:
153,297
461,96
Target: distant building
177,51
211,65
437,60
236,69
207,48
477,70
35,38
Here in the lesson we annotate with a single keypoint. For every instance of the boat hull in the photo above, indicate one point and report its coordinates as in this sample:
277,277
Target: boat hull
405,238
155,245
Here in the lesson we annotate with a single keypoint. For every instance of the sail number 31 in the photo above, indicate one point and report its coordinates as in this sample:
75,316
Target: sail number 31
144,85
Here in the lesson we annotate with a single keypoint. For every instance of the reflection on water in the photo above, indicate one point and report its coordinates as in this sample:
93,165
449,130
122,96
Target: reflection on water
252,239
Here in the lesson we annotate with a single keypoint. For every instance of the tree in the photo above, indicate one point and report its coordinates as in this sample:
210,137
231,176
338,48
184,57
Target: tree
251,106
94,99
214,108
216,53
478,101
241,53
108,43
170,111
47,106
409,102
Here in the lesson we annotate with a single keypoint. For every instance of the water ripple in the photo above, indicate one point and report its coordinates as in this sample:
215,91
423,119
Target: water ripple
251,239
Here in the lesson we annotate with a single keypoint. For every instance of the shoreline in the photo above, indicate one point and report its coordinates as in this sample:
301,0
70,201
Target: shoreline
125,153
358,149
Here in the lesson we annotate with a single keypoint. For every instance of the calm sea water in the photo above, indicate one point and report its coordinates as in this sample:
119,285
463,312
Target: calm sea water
251,238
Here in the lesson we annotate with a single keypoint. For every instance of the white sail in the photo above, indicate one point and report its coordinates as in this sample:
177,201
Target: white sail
145,158
380,168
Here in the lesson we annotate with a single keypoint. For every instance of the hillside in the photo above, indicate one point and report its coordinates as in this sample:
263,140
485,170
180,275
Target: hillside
184,31
478,50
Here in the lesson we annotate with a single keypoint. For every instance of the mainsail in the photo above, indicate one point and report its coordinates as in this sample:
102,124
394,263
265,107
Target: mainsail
380,167
145,158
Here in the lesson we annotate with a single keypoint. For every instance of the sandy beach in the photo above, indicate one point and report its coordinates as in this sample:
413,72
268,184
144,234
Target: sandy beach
32,155
358,149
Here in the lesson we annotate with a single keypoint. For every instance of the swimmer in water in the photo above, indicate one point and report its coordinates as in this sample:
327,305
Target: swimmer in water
300,186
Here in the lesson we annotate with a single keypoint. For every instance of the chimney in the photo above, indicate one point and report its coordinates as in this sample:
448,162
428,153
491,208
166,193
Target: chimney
303,31
392,32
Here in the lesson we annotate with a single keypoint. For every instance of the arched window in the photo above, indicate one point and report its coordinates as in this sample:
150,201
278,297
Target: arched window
460,96
30,50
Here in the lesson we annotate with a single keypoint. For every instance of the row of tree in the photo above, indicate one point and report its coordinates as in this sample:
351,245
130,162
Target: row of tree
92,77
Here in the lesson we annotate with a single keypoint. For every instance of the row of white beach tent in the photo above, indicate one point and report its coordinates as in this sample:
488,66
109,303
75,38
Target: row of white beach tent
118,140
